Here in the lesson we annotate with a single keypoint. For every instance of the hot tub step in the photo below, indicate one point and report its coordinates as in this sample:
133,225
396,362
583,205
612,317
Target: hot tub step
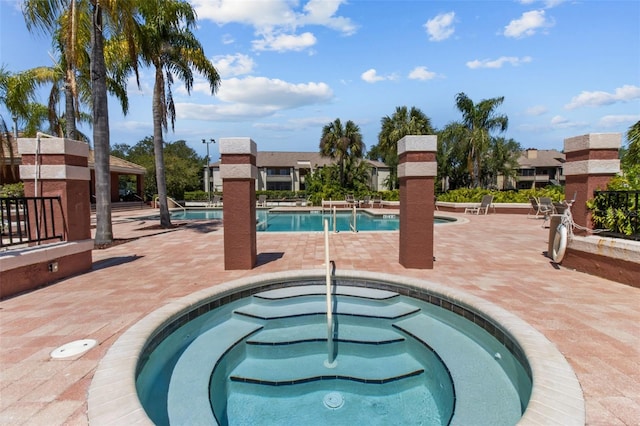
279,372
317,289
319,307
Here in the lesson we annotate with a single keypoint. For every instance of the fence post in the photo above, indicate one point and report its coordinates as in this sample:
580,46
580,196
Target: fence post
417,169
592,160
239,172
53,167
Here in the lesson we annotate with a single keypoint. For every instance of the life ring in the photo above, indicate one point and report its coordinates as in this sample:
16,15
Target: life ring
559,244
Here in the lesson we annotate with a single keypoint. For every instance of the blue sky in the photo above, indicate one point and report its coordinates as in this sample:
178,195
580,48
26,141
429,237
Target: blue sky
288,68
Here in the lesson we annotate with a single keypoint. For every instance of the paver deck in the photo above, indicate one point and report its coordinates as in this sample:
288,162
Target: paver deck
594,322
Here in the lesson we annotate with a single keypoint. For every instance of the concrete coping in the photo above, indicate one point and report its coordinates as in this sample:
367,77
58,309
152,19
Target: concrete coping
53,146
593,141
616,248
18,258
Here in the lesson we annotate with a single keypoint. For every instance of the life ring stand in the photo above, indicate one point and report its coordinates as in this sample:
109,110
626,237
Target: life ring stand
559,244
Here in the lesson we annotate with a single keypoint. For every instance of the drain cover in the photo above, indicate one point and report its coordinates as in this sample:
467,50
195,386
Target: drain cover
333,400
73,348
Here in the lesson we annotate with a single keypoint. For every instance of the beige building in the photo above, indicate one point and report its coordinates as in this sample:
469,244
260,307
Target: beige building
286,171
539,168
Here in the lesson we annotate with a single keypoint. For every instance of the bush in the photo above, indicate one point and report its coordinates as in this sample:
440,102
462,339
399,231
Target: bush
12,190
466,195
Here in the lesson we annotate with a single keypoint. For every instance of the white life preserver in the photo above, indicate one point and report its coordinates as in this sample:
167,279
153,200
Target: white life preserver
559,243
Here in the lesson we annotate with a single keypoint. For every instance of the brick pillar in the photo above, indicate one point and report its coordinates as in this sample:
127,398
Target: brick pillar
417,169
592,160
62,171
238,172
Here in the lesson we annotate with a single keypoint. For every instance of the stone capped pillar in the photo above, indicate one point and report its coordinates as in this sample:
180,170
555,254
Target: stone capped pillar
239,172
417,169
53,167
592,160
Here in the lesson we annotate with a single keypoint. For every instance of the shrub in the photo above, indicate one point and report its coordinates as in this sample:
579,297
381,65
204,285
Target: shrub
12,190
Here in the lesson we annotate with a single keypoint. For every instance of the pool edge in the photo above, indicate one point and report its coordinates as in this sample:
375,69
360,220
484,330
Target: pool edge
556,396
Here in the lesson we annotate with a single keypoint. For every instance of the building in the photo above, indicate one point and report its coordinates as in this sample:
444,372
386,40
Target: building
539,168
118,168
286,171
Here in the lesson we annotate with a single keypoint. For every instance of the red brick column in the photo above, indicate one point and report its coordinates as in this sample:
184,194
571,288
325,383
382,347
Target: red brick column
417,169
238,172
62,171
592,160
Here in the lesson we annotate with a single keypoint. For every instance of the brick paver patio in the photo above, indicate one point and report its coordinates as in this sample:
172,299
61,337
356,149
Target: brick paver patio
594,322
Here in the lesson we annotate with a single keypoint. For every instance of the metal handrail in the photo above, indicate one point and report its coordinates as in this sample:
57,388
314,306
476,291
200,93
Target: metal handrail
29,220
184,209
353,224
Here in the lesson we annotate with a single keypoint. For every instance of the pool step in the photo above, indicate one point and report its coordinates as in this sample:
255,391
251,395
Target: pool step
188,395
294,341
476,374
309,368
318,332
318,306
320,290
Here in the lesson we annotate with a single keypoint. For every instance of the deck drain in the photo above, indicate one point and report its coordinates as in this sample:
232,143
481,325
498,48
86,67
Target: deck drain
333,400
74,348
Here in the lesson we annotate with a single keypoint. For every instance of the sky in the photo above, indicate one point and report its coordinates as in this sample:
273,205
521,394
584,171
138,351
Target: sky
289,67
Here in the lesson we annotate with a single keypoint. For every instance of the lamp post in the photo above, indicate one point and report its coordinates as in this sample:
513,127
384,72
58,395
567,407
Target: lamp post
207,185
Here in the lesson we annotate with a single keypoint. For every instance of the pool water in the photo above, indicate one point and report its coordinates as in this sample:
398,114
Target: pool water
399,360
270,221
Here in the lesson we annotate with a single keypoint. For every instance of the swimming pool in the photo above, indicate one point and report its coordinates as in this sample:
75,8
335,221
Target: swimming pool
307,221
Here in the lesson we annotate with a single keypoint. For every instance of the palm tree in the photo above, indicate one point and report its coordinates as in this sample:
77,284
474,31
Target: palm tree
477,123
343,144
633,137
502,160
167,43
403,122
79,26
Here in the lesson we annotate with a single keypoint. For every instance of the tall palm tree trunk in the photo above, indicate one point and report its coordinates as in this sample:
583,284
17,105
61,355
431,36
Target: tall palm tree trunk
70,111
158,149
104,228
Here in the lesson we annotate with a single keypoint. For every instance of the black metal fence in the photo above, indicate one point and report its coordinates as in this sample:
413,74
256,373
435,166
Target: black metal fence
617,211
30,220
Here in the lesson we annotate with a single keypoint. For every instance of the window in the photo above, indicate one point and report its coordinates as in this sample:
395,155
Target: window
278,171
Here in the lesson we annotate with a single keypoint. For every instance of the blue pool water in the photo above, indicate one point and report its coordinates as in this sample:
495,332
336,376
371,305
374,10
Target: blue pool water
259,359
270,221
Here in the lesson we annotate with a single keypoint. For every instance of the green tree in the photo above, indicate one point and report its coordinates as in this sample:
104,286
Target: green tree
166,42
402,122
502,160
478,121
632,156
79,26
183,165
344,144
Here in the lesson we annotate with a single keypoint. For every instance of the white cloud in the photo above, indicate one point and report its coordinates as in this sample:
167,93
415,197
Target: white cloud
267,91
536,110
625,93
222,112
421,73
617,120
252,97
560,122
275,22
371,76
441,27
498,63
295,124
528,24
285,42
233,65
